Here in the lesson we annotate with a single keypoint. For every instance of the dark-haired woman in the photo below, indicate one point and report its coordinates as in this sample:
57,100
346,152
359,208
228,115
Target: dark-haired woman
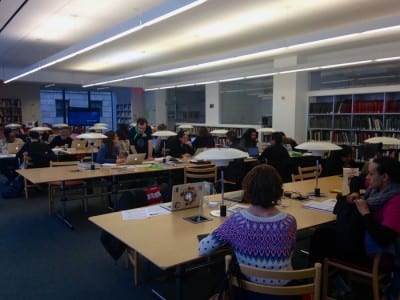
109,151
261,236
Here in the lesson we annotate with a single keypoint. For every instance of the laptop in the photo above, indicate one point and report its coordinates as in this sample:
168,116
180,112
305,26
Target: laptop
135,159
253,152
185,196
13,148
78,144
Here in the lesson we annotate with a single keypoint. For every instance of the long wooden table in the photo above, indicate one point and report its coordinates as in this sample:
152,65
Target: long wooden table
171,241
66,173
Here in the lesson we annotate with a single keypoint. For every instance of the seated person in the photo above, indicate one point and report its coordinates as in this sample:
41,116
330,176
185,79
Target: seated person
180,145
338,160
109,151
39,152
203,139
249,139
10,138
62,139
262,187
233,142
277,156
376,214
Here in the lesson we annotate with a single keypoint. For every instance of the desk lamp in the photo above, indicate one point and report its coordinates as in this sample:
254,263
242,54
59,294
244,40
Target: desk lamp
219,133
60,125
91,137
164,135
317,149
221,158
40,129
100,125
385,140
98,128
13,126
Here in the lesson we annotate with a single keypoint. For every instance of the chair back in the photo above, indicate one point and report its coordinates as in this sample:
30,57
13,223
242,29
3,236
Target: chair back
309,172
202,172
309,278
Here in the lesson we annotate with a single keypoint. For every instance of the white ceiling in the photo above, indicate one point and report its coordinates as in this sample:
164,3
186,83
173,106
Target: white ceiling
217,29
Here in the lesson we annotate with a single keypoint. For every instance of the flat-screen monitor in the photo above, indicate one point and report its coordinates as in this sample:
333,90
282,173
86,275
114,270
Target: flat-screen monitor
82,116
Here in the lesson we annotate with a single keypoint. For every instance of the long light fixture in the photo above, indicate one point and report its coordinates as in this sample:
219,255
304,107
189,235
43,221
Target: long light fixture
255,55
282,72
109,40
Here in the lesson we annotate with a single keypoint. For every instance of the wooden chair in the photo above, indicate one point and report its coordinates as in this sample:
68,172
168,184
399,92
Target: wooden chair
306,173
307,288
202,172
375,275
27,184
53,187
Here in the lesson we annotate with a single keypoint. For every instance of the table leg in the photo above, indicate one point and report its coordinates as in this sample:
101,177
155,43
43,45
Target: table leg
61,214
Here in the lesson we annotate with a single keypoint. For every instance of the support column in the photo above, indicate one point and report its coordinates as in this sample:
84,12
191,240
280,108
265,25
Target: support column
212,104
289,106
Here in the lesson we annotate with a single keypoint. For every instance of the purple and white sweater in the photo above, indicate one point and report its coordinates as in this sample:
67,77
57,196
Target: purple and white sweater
261,242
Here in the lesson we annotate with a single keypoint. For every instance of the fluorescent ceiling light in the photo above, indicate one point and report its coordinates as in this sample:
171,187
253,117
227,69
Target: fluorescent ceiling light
261,75
231,79
299,70
346,64
110,39
112,81
388,58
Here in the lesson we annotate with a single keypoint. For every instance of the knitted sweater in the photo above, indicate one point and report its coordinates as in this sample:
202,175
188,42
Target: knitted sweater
262,242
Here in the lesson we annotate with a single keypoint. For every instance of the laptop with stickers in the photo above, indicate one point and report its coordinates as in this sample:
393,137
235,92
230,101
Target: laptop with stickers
185,196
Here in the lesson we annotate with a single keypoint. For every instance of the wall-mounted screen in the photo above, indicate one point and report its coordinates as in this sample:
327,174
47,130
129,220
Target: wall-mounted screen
83,116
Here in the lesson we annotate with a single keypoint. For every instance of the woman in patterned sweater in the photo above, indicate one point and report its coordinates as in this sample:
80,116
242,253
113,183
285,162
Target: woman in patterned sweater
261,236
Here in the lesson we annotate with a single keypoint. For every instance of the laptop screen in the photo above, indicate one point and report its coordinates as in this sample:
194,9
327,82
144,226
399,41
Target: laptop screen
253,151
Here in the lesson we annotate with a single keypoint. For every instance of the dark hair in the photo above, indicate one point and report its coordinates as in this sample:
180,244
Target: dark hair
262,186
141,121
180,133
203,131
109,142
34,134
389,166
123,131
345,151
277,137
7,132
248,132
231,135
161,126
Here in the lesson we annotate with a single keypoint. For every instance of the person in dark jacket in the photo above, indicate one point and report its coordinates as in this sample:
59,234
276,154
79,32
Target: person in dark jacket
62,139
39,152
203,139
277,156
180,145
338,160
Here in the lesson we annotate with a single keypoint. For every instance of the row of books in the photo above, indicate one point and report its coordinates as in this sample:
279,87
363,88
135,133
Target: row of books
359,106
345,137
10,103
320,122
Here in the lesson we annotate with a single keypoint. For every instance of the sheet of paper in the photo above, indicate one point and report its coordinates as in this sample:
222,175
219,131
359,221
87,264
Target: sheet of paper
144,212
326,205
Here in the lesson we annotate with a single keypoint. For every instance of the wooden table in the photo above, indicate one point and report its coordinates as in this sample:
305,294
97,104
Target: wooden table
66,173
171,241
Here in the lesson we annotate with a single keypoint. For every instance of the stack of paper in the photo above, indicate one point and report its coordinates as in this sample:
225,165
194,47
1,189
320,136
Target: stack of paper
326,205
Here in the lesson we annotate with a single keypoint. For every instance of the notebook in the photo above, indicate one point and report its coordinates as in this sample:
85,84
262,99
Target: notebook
236,196
135,159
253,151
78,144
185,196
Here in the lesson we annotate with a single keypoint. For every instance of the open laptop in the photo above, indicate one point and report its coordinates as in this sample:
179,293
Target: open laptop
78,144
13,148
253,152
135,159
185,196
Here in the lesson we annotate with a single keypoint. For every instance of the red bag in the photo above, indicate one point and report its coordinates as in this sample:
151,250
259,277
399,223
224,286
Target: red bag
154,195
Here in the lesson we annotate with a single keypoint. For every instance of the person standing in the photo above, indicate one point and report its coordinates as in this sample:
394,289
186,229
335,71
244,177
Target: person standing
141,139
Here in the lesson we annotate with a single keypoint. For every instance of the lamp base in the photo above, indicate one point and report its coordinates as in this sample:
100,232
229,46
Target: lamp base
317,193
197,219
222,210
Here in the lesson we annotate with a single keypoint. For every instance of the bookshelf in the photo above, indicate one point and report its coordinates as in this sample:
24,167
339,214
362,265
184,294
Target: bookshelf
352,118
10,111
123,113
